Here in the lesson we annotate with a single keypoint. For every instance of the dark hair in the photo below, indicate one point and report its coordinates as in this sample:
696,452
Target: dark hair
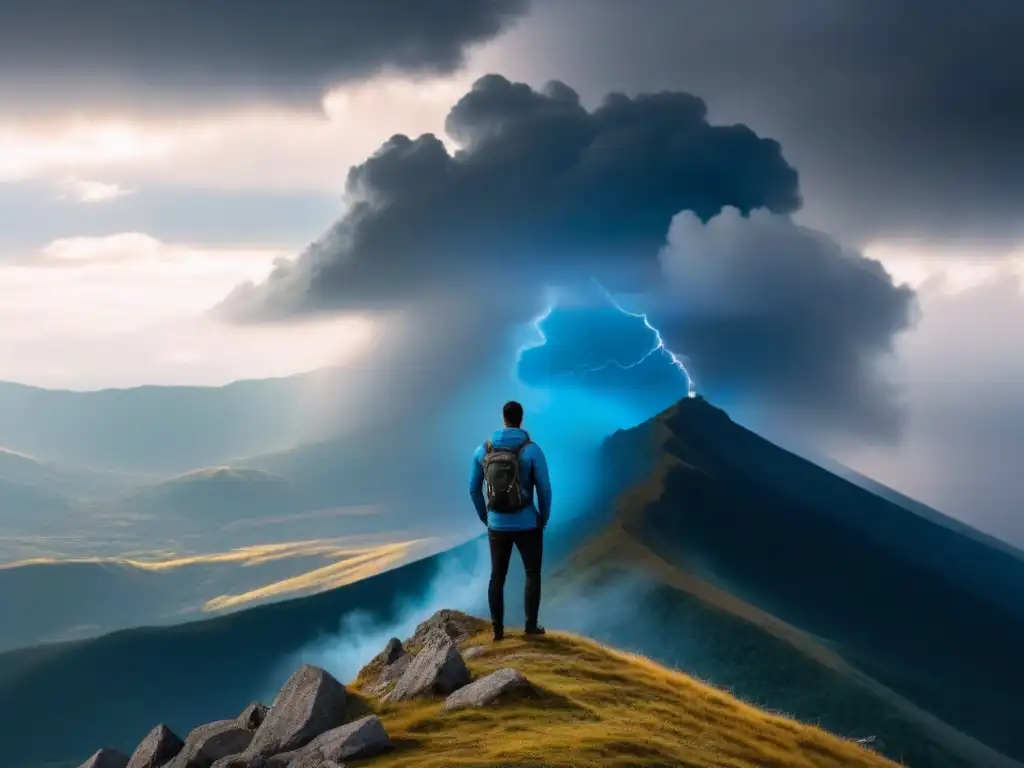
512,413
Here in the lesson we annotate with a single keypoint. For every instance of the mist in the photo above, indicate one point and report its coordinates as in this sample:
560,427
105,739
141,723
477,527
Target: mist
570,418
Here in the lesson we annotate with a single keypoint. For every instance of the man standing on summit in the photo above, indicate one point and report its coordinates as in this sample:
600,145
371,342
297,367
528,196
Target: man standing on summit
509,466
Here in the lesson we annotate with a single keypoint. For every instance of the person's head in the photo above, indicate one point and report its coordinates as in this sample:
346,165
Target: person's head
512,413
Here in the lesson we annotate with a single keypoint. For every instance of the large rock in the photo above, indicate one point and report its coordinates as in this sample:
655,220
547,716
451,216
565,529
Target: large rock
455,625
106,758
392,651
437,668
210,742
311,702
159,746
253,716
363,738
388,675
487,690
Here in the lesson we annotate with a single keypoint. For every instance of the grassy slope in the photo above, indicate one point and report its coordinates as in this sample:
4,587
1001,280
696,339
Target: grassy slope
592,706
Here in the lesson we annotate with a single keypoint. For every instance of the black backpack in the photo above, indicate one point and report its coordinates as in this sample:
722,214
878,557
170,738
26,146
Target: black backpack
501,474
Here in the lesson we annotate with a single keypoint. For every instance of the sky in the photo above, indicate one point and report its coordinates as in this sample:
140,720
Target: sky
817,201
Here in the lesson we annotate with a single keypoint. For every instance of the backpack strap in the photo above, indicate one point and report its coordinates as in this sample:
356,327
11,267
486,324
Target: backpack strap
488,447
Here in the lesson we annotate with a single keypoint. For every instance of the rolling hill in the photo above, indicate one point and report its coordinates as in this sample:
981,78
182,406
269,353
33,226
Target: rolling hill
217,495
717,553
49,601
74,483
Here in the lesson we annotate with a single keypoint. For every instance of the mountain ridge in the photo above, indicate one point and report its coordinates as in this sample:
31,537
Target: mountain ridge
726,522
684,488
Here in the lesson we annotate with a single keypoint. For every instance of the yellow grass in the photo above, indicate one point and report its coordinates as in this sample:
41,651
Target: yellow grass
592,706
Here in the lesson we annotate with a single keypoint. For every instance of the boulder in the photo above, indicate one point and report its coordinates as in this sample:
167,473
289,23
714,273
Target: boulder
389,674
211,742
159,746
106,758
311,702
487,689
453,624
253,716
363,738
473,653
393,650
437,668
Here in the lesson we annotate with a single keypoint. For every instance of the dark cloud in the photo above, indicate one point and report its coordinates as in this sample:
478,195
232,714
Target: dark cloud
541,191
69,54
904,117
784,319
766,315
641,194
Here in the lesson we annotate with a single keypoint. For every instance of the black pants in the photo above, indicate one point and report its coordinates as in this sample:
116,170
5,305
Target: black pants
531,549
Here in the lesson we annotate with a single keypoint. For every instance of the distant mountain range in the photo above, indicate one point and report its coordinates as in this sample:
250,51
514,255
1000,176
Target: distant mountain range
128,486
717,552
154,429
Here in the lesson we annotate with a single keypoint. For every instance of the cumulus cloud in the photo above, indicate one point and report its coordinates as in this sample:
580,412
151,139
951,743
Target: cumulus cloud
541,189
112,54
783,317
641,194
903,116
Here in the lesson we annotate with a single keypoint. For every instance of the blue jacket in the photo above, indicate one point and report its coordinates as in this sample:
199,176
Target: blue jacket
533,473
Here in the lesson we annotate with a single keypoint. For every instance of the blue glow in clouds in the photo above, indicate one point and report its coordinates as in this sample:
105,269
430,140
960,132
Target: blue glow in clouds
600,346
659,346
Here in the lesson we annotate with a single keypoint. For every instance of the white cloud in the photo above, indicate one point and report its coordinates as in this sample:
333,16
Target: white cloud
86,191
268,148
938,269
128,309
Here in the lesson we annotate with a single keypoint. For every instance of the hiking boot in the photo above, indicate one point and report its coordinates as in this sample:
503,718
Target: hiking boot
499,634
534,629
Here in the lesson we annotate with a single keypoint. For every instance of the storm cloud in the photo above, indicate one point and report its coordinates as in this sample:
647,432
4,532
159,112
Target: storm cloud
776,317
641,194
785,318
541,191
905,118
103,54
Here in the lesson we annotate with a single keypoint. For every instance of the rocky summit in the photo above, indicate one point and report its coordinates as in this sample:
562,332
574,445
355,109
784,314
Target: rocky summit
559,701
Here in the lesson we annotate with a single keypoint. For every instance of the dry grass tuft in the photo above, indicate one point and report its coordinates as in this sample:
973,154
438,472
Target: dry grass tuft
592,706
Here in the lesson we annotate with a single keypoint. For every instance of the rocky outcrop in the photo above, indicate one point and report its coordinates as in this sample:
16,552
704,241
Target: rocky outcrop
311,702
158,748
393,650
106,758
437,668
487,690
208,743
363,738
454,625
252,717
308,725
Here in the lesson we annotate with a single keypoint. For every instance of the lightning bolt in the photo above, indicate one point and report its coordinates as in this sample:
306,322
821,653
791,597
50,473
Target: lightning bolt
658,348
